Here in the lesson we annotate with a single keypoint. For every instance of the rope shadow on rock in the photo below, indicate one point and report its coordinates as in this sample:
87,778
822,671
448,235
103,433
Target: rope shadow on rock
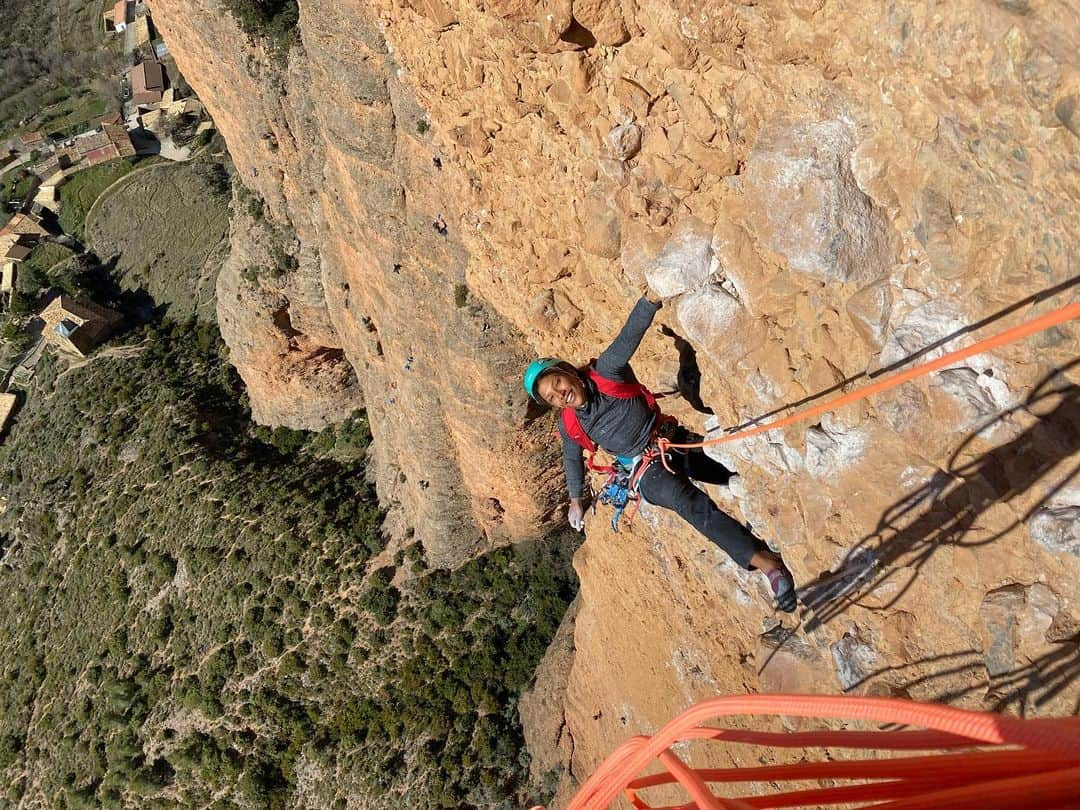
946,508
1032,299
1020,690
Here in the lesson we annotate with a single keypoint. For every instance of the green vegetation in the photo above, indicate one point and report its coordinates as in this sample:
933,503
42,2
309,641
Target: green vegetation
57,69
78,194
188,615
422,127
75,114
164,231
274,20
461,295
15,185
282,262
45,257
193,615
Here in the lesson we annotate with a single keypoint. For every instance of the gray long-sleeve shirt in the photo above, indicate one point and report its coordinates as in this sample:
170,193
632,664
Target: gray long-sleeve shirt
622,427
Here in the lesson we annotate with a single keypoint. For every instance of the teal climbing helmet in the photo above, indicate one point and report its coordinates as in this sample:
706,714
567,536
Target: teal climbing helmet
535,371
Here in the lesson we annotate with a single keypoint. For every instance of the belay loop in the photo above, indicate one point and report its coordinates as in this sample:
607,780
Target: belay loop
621,487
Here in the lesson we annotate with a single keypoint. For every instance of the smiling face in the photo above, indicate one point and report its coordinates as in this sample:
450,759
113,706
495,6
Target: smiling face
561,389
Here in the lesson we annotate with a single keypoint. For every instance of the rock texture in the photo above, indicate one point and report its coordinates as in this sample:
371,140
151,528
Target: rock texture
828,189
378,304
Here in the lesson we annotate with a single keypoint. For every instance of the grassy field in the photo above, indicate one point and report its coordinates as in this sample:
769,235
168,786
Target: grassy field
78,194
55,53
165,227
76,114
14,187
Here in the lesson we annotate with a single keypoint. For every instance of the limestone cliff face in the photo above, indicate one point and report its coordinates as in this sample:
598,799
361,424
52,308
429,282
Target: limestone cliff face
825,189
377,304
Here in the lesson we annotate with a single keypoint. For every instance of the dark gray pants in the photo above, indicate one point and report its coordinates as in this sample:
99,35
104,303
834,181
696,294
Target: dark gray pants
675,491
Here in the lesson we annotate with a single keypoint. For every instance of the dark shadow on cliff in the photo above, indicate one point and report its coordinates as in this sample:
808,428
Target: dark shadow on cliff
943,511
1035,298
1031,686
689,379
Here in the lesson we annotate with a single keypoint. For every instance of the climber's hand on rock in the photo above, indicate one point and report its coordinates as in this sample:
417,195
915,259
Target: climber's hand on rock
648,293
576,515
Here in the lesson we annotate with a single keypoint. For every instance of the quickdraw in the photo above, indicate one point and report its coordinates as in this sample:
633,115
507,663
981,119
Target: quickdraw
621,487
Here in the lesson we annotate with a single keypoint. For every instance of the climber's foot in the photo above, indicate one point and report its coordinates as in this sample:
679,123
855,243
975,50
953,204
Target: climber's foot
783,588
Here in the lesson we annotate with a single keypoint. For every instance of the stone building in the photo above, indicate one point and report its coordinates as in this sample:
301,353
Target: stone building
7,408
147,82
77,326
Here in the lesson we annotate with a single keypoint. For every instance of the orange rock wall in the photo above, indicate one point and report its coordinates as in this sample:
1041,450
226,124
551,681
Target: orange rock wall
825,189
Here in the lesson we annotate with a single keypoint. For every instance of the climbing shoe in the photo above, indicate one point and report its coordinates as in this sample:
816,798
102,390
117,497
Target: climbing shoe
783,588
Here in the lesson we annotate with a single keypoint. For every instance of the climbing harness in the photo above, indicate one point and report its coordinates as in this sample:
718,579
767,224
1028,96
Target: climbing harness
985,761
617,492
620,488
1023,330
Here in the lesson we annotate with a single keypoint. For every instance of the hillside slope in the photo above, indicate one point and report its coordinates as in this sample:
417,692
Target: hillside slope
828,188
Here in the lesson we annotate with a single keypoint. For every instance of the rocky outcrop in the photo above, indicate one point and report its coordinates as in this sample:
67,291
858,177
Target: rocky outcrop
378,303
827,191
279,336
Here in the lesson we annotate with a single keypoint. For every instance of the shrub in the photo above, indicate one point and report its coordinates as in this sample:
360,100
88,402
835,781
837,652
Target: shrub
461,295
275,20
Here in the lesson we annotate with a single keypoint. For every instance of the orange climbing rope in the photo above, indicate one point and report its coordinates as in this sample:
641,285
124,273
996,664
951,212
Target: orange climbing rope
1054,318
1006,763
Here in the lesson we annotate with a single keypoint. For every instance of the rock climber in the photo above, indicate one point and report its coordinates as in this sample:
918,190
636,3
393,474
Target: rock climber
623,421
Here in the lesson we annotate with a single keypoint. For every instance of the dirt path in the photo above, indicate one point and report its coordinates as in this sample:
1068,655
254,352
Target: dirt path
120,352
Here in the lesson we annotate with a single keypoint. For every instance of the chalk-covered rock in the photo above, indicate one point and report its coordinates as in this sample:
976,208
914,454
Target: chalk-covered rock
832,447
624,140
806,204
854,658
684,263
1057,528
930,330
707,316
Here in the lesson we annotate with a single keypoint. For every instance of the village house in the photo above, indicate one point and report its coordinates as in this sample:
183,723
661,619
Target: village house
7,408
138,34
48,193
24,224
32,139
147,82
119,138
14,248
7,280
116,18
57,161
77,326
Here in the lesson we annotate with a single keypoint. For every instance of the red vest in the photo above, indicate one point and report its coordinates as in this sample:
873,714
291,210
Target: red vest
619,390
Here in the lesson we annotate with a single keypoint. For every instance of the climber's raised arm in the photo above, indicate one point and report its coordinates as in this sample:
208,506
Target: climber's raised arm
614,361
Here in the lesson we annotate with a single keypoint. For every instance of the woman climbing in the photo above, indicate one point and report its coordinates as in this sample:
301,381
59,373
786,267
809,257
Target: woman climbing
604,406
